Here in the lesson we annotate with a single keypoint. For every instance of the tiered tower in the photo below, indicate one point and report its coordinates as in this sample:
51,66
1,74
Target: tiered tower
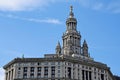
71,38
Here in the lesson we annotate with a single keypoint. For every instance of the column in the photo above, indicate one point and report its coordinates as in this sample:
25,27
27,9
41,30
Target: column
35,72
42,71
28,72
80,74
72,72
49,72
88,75
21,76
9,75
12,74
63,70
76,72
92,73
6,76
84,75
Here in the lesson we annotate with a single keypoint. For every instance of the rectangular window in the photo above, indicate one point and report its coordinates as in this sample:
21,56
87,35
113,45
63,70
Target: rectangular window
39,75
39,69
32,75
39,63
58,63
69,72
53,71
32,69
45,71
46,63
52,63
32,63
58,67
25,75
58,75
19,68
25,69
58,71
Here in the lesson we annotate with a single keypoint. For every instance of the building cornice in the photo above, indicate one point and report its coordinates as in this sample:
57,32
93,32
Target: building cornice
72,60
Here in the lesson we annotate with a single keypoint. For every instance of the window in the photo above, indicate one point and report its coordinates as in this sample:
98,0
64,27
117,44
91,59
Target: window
58,63
25,69
58,71
69,64
89,68
82,66
58,75
18,72
52,63
45,76
45,71
102,71
32,69
32,75
32,63
19,68
69,72
94,69
53,71
46,68
39,69
58,67
24,75
39,75
39,63
46,63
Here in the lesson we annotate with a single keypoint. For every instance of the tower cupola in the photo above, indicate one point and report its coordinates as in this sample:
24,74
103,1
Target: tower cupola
71,38
71,22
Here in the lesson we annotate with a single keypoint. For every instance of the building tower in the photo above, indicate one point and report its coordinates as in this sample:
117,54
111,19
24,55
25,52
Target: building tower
85,49
71,38
58,49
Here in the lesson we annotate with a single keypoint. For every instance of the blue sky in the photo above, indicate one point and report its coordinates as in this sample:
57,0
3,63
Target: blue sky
33,28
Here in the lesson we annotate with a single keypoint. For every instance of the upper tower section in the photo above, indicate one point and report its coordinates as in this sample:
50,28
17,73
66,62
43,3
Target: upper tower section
71,22
71,38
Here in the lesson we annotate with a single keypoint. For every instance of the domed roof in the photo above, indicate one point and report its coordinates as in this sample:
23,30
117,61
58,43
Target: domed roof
71,16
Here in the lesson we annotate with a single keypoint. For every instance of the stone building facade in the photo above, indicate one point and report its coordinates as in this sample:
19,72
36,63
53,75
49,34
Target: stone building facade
71,62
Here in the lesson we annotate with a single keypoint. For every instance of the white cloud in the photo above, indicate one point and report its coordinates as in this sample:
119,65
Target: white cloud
20,5
48,20
52,21
2,74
